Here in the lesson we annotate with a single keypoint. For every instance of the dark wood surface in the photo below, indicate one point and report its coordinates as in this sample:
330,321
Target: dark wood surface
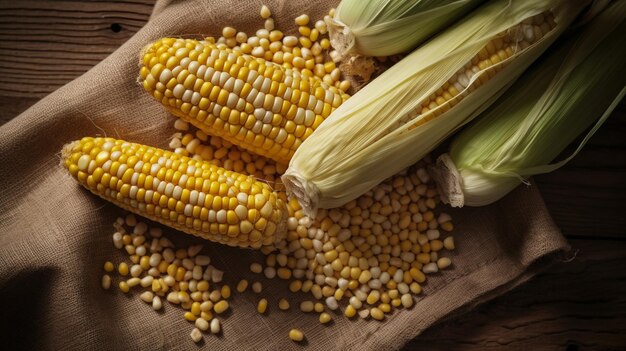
579,305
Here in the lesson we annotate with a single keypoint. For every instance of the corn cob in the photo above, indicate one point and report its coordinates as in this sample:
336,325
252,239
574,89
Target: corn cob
193,196
455,75
258,105
576,85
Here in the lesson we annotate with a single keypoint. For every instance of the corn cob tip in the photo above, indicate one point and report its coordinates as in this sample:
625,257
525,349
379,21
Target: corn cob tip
448,181
301,189
66,151
341,37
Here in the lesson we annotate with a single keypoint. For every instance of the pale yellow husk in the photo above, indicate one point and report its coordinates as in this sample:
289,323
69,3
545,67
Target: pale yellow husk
389,27
576,84
367,139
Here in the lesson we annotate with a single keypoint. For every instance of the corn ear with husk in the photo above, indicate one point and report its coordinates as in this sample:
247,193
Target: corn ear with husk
409,109
578,83
389,27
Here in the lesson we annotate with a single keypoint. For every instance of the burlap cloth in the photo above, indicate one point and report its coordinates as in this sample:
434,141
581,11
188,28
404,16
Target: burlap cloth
55,236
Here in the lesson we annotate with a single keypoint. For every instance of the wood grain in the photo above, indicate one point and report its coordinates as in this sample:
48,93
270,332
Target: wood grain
45,44
578,305
587,197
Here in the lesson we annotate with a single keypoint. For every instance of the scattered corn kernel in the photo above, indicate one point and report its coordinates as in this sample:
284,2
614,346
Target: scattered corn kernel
220,307
350,311
283,304
190,316
325,318
296,335
215,326
108,266
196,335
106,282
242,285
122,269
307,306
302,20
202,324
265,12
262,306
448,243
124,287
377,314
443,263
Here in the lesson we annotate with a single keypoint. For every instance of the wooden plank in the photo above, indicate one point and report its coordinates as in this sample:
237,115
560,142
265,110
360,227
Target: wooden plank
575,305
587,197
45,44
11,107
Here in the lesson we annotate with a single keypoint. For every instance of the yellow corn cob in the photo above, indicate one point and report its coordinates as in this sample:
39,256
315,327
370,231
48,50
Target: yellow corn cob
258,105
193,196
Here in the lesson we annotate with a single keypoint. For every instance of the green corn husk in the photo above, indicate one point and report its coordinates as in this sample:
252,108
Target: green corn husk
389,27
380,130
577,83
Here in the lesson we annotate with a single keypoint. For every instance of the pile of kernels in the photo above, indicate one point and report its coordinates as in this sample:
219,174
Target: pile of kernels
373,252
181,276
309,52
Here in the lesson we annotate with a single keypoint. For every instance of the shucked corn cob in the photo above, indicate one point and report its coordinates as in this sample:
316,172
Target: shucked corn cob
190,195
256,104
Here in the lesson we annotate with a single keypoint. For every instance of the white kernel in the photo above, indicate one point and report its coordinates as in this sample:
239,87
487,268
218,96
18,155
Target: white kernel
217,275
331,302
407,300
430,268
147,296
196,335
146,281
157,303
136,270
117,240
179,124
215,326
155,259
265,12
356,302
258,52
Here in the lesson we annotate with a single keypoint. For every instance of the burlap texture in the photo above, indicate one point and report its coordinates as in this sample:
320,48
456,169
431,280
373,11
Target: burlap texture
55,235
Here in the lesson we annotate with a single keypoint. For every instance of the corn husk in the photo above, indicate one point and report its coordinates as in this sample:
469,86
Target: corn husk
576,85
366,140
389,27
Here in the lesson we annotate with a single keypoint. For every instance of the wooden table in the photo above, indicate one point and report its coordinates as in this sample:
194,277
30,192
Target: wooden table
577,305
